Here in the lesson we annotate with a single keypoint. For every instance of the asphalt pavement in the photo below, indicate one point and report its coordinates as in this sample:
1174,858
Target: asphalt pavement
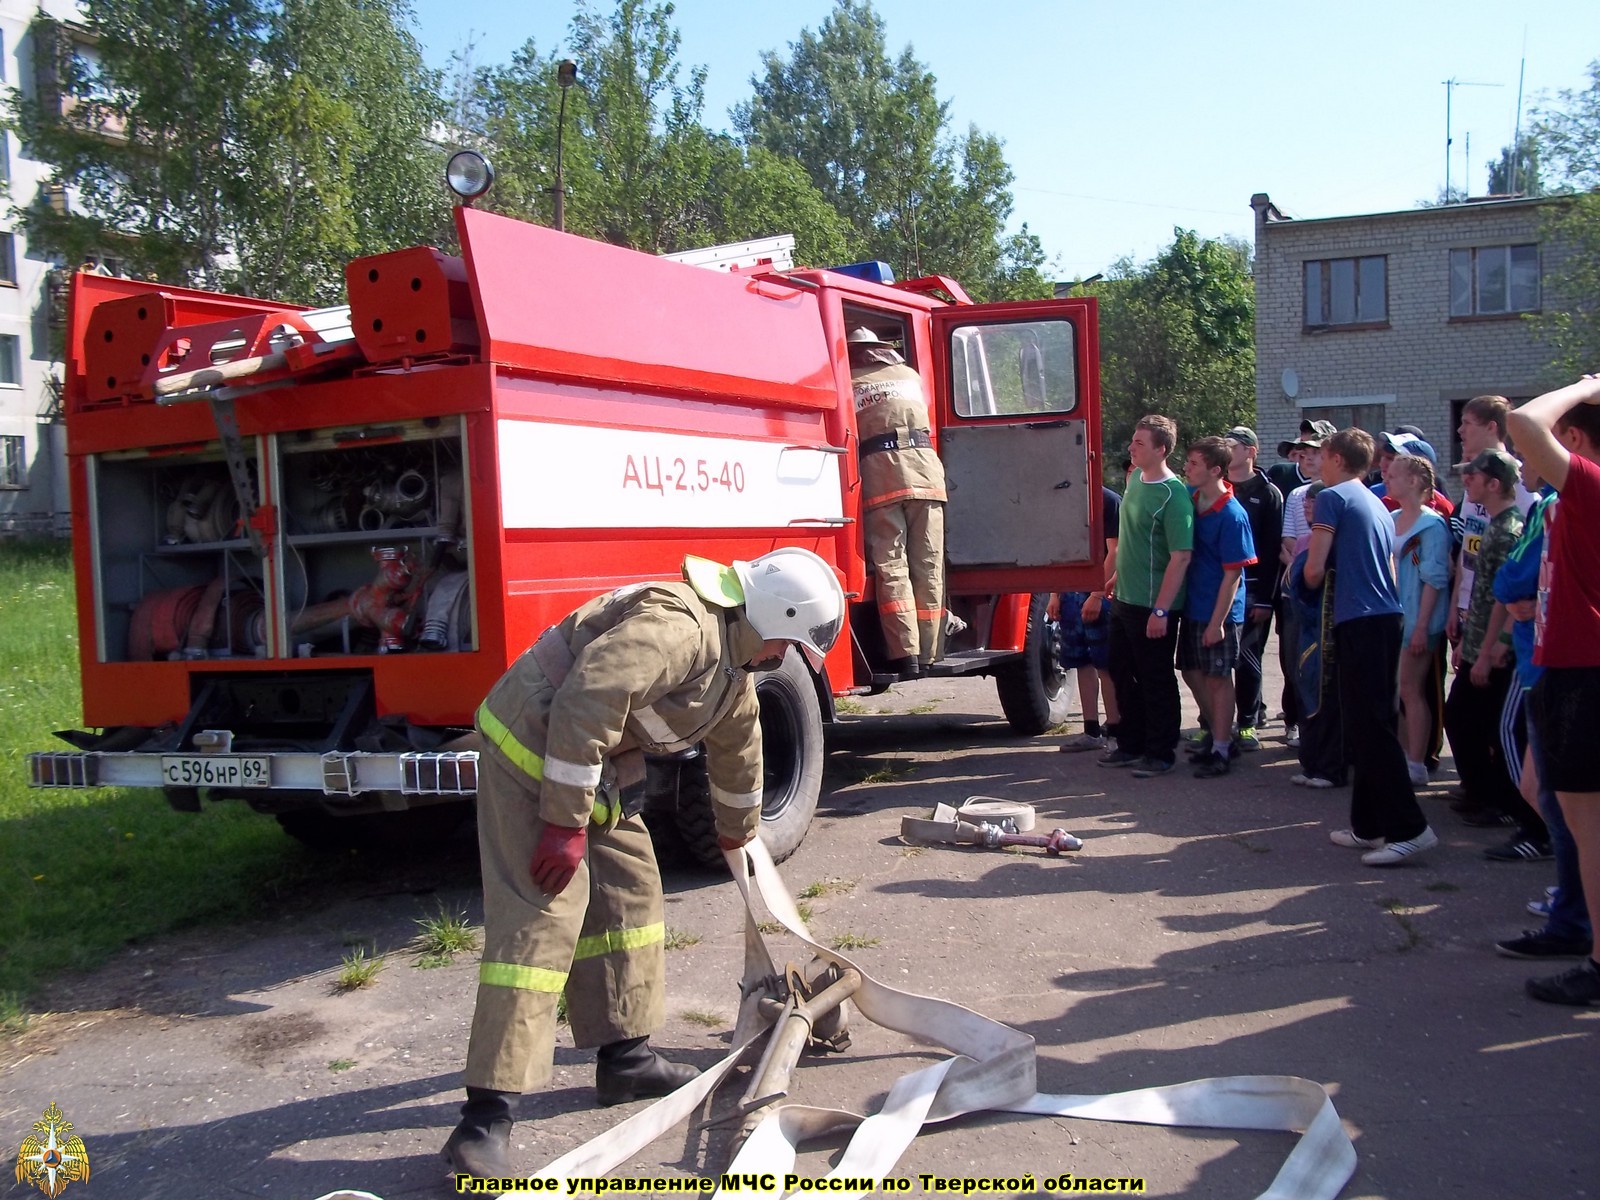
1206,928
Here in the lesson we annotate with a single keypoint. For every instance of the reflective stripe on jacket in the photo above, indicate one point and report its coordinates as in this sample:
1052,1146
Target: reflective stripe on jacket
655,667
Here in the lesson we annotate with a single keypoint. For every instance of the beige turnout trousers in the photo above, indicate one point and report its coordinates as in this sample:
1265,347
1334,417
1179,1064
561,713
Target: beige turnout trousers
600,941
905,542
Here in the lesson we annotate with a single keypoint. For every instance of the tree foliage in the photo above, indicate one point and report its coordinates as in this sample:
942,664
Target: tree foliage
1568,135
246,144
639,166
258,145
873,136
1516,171
1177,337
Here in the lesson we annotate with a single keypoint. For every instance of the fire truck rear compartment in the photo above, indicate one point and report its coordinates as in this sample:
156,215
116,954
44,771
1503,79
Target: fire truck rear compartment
372,552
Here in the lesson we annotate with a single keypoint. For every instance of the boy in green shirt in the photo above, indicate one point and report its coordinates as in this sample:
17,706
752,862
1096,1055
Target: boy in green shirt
1157,535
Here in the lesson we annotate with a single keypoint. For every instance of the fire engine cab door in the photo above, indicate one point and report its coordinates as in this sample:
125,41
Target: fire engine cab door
1017,392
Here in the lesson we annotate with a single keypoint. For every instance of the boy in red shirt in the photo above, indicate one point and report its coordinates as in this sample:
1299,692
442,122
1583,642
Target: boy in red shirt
1559,435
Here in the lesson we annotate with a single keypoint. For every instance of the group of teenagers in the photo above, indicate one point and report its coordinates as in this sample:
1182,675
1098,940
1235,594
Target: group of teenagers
1380,585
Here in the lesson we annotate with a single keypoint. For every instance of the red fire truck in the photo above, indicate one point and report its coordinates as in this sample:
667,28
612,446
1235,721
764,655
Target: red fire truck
308,541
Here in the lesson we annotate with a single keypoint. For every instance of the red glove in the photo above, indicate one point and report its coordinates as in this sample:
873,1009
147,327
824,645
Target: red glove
556,858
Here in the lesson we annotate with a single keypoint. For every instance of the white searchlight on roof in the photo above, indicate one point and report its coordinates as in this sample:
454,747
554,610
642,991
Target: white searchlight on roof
469,174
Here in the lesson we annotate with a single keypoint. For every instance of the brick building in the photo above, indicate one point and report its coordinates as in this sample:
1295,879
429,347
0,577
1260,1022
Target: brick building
1397,318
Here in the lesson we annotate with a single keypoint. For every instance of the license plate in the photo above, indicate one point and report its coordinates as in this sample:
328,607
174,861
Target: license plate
215,770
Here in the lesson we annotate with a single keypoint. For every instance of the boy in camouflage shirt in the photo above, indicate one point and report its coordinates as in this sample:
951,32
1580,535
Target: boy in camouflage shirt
1483,672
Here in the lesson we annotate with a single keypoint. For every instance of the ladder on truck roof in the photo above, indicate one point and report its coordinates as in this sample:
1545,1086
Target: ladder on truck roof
776,253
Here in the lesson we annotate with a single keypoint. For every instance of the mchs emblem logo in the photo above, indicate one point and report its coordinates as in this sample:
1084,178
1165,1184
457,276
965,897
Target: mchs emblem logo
52,1156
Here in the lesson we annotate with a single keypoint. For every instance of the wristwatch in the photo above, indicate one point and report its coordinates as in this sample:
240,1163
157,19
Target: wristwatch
1159,612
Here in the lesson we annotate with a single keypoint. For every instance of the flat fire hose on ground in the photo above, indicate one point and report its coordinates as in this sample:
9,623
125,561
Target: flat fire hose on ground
984,821
993,1068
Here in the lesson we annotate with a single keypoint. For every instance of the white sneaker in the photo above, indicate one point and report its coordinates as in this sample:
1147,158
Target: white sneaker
1291,736
1394,853
1310,781
1083,741
1348,839
1418,773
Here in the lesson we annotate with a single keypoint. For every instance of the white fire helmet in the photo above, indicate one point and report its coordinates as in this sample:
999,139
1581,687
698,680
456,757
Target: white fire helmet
793,595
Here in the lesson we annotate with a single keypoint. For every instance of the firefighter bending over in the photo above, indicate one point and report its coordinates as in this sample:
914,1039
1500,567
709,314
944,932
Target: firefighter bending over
572,896
902,493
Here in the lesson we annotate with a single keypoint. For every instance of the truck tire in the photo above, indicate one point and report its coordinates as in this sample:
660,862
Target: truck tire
413,829
1033,690
791,756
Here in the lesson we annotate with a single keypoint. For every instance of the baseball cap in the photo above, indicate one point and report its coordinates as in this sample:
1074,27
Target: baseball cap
1412,430
1312,435
1242,434
1496,464
1405,443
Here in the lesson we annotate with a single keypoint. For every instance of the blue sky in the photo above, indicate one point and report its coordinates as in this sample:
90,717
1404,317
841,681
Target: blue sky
1122,120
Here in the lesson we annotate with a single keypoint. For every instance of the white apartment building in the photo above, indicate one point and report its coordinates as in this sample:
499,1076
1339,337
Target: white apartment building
33,484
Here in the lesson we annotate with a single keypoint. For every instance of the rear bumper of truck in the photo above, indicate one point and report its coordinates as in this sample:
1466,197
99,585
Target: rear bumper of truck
333,773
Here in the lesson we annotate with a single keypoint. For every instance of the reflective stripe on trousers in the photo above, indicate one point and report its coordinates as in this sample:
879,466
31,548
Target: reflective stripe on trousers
541,979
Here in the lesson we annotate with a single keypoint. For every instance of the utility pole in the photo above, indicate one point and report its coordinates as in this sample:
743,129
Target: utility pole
566,76
1450,85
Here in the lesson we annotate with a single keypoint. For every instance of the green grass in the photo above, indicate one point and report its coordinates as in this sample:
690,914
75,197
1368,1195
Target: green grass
854,941
82,873
1402,913
917,710
13,1018
846,707
360,970
442,936
681,939
898,769
341,1064
825,887
703,1018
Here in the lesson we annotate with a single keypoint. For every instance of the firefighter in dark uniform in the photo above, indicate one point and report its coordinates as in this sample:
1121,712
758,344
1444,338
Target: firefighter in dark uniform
572,896
902,493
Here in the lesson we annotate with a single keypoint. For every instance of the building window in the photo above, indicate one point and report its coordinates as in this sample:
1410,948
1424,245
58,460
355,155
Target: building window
10,360
1494,280
13,462
1347,291
8,260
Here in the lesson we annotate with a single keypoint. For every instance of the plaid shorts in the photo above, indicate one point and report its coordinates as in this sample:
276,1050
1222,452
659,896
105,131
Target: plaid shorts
1084,644
1195,655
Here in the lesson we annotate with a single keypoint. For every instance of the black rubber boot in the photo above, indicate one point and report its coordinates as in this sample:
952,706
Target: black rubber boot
481,1144
906,668
631,1070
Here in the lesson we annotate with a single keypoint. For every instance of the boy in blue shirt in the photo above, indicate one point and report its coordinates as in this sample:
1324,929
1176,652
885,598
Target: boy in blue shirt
1351,531
1213,611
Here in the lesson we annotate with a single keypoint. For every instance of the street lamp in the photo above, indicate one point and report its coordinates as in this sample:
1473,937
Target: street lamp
566,76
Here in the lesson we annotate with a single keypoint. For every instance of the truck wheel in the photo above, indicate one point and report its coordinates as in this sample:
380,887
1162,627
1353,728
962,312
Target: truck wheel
1033,690
413,829
791,755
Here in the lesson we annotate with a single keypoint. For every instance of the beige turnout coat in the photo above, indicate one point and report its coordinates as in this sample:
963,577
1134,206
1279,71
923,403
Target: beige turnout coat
647,667
903,493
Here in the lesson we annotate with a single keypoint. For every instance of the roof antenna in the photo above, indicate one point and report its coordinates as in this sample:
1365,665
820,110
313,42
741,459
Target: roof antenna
1450,86
1516,133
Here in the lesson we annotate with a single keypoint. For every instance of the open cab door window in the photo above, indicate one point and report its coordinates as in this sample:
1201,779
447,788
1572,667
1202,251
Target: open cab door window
1017,388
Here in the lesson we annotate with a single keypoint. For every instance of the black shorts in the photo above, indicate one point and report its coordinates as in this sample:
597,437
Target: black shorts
1195,655
1566,706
